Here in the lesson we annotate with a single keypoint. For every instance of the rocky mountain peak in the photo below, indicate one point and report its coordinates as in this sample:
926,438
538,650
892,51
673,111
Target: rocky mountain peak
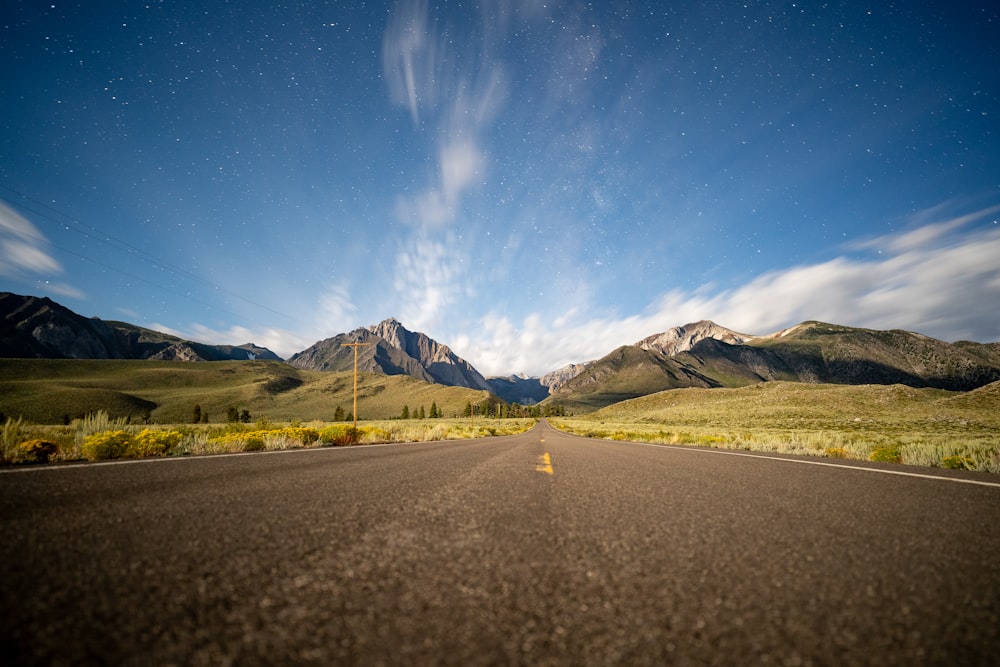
681,339
394,333
396,350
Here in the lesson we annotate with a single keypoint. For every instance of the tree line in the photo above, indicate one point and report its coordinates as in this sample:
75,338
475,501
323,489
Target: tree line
488,407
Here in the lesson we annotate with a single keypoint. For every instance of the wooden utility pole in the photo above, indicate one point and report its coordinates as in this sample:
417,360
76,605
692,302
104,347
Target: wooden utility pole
355,346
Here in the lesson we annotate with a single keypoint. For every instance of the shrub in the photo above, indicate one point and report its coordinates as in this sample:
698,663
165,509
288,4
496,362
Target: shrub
100,422
300,434
153,443
289,437
887,454
373,434
958,462
836,453
239,439
254,441
106,445
37,451
340,435
11,434
245,441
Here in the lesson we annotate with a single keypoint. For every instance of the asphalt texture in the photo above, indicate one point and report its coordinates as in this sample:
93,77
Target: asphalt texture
537,549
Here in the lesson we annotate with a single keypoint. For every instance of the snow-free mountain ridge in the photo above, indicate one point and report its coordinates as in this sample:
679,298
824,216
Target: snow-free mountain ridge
39,328
390,348
700,354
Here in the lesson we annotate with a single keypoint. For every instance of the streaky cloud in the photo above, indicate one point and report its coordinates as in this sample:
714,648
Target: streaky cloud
63,289
409,56
22,247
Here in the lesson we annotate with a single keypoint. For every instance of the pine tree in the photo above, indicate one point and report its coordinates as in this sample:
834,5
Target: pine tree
196,414
406,412
421,412
338,414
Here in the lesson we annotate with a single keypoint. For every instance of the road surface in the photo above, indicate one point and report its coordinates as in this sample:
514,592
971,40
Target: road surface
537,549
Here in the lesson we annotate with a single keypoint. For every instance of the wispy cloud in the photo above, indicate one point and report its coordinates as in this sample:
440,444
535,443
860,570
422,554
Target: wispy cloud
23,247
935,279
454,99
336,310
410,57
461,163
61,289
429,278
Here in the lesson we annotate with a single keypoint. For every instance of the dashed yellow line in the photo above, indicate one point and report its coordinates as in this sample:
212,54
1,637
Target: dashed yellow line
545,464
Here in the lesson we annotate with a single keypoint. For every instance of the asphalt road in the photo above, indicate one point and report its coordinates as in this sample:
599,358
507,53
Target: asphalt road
538,549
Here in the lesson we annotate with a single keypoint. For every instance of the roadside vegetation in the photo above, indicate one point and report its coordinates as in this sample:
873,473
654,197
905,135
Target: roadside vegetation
894,423
100,437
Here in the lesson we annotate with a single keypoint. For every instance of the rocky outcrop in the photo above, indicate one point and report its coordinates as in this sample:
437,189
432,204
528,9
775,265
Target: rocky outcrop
557,378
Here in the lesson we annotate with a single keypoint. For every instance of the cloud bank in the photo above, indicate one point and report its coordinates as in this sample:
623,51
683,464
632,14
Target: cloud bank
937,280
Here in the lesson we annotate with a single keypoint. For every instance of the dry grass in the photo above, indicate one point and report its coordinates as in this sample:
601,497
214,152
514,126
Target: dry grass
924,427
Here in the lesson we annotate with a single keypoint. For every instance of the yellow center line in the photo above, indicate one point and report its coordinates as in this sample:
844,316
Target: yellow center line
545,464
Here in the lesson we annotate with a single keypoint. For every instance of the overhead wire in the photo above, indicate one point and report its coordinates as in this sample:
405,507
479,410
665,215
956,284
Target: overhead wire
90,231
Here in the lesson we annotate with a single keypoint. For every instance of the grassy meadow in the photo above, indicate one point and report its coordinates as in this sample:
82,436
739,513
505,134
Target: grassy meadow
56,391
891,423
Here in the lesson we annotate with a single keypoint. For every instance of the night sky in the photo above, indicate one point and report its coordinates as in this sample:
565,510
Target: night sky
530,183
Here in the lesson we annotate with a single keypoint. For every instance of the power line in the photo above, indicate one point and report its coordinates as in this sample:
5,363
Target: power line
50,244
89,231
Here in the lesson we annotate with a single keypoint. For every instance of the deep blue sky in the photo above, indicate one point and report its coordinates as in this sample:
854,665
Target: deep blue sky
532,184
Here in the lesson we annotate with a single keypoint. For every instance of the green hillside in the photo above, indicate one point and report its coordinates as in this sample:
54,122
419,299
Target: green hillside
50,391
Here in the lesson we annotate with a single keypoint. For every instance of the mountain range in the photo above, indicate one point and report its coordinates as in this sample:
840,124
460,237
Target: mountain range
39,328
700,354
